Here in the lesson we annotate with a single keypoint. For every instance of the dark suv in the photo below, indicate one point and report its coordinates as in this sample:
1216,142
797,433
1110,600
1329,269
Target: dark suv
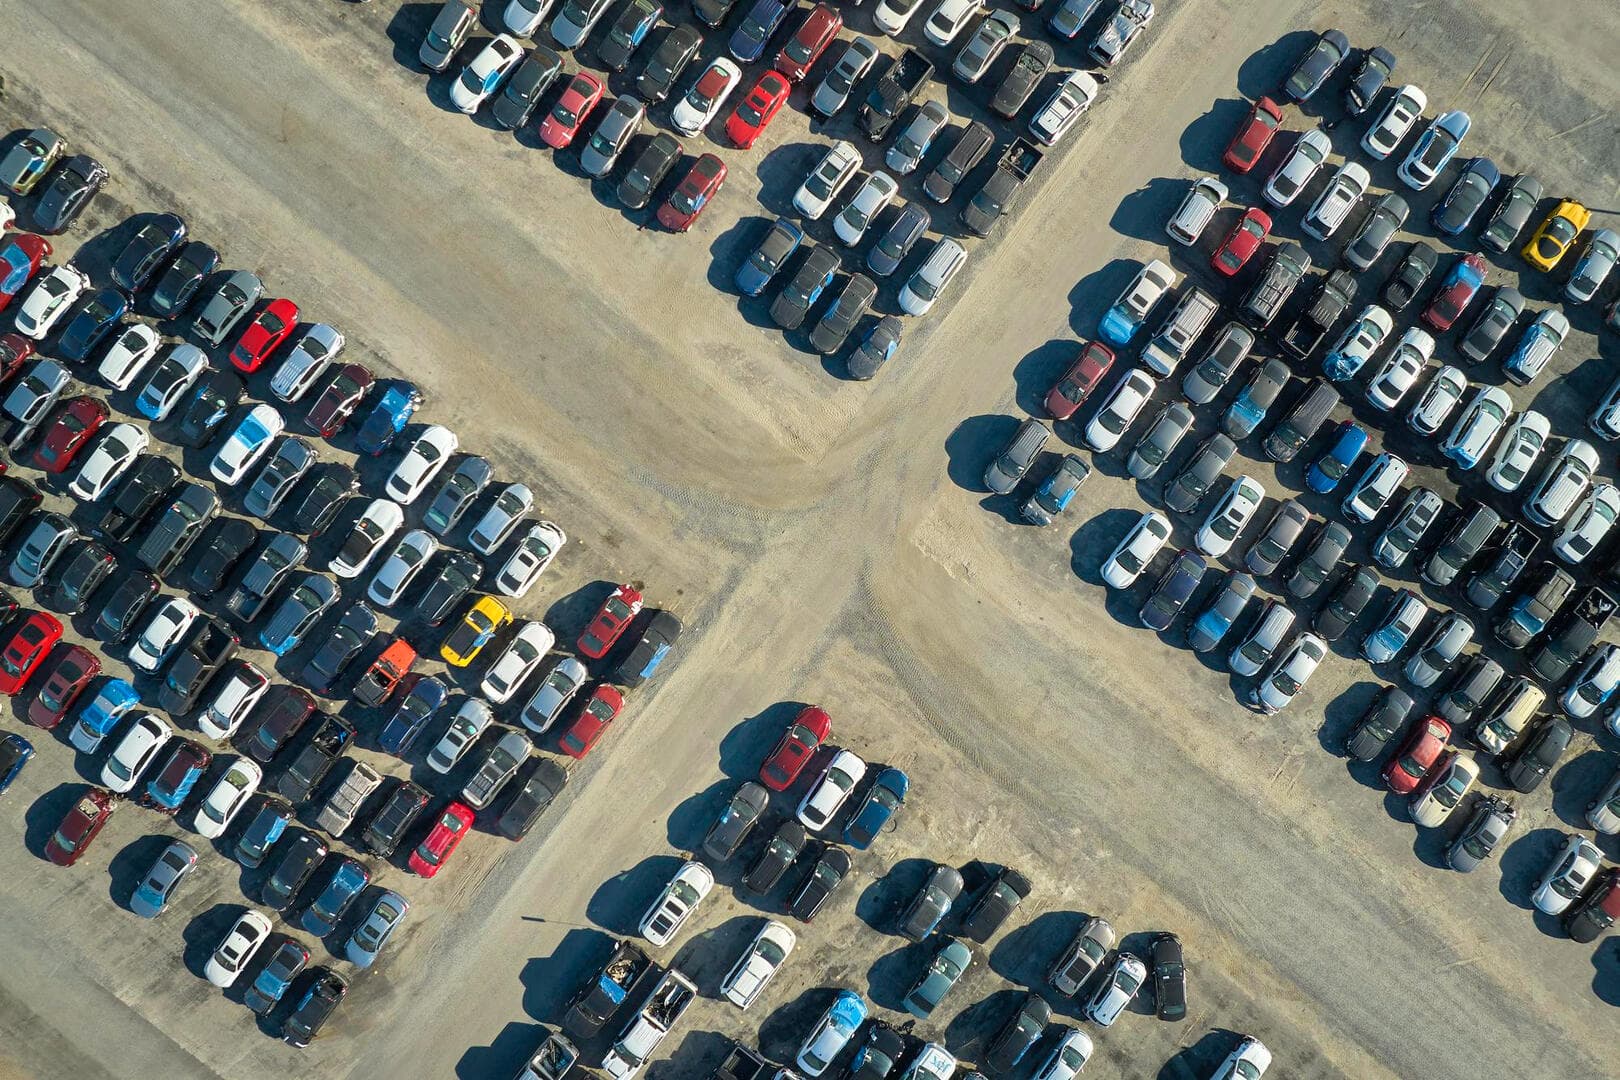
148,482
300,855
179,527
208,649
1572,634
394,819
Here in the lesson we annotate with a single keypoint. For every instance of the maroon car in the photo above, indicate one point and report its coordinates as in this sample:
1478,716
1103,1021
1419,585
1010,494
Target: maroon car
1457,291
817,31
168,790
340,398
27,650
1080,380
80,825
74,423
14,353
70,672
685,204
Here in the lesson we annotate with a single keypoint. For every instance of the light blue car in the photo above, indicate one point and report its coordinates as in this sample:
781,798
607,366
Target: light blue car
101,716
832,1033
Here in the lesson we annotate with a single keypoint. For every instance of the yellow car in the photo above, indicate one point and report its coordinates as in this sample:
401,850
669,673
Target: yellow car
486,616
1554,235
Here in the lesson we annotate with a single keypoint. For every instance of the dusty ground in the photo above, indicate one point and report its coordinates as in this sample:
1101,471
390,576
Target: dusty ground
824,541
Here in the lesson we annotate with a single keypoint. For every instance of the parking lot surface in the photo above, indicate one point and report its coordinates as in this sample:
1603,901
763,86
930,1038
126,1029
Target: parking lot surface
825,542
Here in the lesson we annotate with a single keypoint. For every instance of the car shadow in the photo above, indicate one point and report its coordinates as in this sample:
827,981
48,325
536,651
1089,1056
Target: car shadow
1095,293
570,614
891,975
1264,70
1023,955
1039,368
699,1054
45,813
1524,861
1143,212
1341,715
619,902
549,981
1095,540
881,902
127,869
689,822
1576,783
504,1056
781,171
970,1032
744,748
407,29
783,1030
1606,971
203,934
1204,140
707,955
1201,1058
970,446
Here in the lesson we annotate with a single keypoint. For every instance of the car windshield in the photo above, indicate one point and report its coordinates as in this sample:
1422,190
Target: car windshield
1561,230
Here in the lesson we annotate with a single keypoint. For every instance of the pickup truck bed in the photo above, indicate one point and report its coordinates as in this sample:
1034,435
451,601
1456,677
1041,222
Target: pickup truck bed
601,997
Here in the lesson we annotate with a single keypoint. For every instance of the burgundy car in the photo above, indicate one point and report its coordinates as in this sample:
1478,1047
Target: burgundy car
1242,242
701,183
70,672
817,31
340,398
79,826
1457,291
1254,136
566,117
26,650
1417,755
19,260
14,353
268,329
803,737
75,422
1080,380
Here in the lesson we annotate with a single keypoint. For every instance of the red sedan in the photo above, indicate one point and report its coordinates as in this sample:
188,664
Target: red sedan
1417,755
1242,242
611,619
340,398
26,650
1254,136
268,329
568,115
14,353
817,31
753,114
19,260
79,826
75,422
586,730
430,854
1457,291
804,736
70,672
1080,380
701,183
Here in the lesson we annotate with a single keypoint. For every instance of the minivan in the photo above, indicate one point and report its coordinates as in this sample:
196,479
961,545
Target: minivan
1301,423
932,276
1179,330
1193,216
1375,488
1268,632
1014,461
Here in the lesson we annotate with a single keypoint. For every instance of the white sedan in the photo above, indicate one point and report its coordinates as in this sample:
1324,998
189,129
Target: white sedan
50,299
1289,673
523,17
412,553
759,962
501,518
171,380
380,520
831,175
1123,405
1433,803
246,444
163,632
1521,446
705,97
1571,872
1357,343
1068,1057
1248,1061
1132,554
1072,97
228,797
128,356
115,451
676,903
422,462
1438,400
1395,122
1295,171
534,553
1229,516
485,72
134,752
309,359
243,940
891,16
465,727
517,661
1590,522
1400,372
948,19
840,777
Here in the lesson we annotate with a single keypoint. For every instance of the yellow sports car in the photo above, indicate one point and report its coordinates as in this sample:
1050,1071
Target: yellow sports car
464,643
1554,235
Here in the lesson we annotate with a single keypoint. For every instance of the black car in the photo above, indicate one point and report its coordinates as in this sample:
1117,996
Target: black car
148,483
1187,490
209,648
875,349
263,830
1410,276
177,528
1373,731
352,633
826,874
969,149
643,661
521,92
471,476
1177,585
995,905
617,45
122,609
315,759
1512,555
68,191
264,575
793,303
394,819
177,286
300,855
207,406
101,315
1572,634
230,540
845,311
1034,61
879,1055
279,715
1368,80
323,497
1323,58
1597,910
1021,1031
1346,603
665,64
1169,978
1539,753
84,568
531,798
780,851
648,171
455,579
147,249
326,990
736,819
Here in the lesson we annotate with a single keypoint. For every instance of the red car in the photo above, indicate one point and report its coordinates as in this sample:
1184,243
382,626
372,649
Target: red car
1254,136
611,619
14,353
568,115
799,743
76,421
80,826
814,35
453,824
1457,291
1080,380
26,650
701,183
600,709
268,329
71,671
1417,755
19,260
1242,242
340,398
754,113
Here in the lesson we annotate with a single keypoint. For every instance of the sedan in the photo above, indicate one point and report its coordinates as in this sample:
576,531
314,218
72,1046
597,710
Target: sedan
992,36
50,298
1512,213
1124,403
1289,673
1602,251
285,965
424,459
68,191
534,552
485,72
1079,381
774,249
1388,214
831,789
246,444
1021,1031
799,743
693,194
172,380
566,117
620,124
1242,242
1253,136
379,924
29,159
70,672
230,793
1176,586
1317,65
1568,875
340,397
831,1033
605,628
1453,214
1138,548
1434,149
477,626
832,93
702,102
1221,612
81,824
1117,990
735,821
20,258
517,661
236,950
949,963
1229,516
1416,755
518,97
666,63
151,897
76,421
754,113
592,723
1492,324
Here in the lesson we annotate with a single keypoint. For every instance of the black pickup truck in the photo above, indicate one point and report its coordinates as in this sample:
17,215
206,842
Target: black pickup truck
995,197
210,648
1327,306
889,97
601,997
315,759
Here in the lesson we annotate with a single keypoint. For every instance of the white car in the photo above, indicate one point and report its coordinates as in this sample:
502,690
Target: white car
465,727
1434,806
392,578
1605,419
1395,122
948,19
248,441
49,299
1120,322
875,193
422,462
1588,524
1073,96
1438,400
517,661
933,1062
840,777
762,959
1372,492
1520,448
1068,1057
485,72
1345,188
117,447
1477,426
232,704
1400,372
706,95
676,903
1356,345
1119,410
575,21
138,748
309,359
1571,872
235,952
529,559
128,356
1594,683
1604,812
228,797
171,380
501,518
523,17
380,520
1229,516
831,175
831,1034
892,16
168,624
1138,547
1295,171
1249,1061
1562,485
1289,673
1116,990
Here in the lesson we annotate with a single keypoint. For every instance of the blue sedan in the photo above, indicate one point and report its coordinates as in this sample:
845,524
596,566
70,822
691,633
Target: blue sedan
88,328
425,698
1471,191
346,883
775,249
1327,470
748,42
15,752
888,794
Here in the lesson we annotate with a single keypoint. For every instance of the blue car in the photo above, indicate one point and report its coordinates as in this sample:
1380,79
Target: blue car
1327,470
346,883
773,251
1453,214
1434,149
15,752
92,323
1118,325
166,793
425,697
263,832
97,719
748,42
388,418
888,794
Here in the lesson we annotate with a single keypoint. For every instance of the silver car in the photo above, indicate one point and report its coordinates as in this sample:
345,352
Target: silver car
501,518
908,148
373,933
498,767
1492,818
832,93
1083,957
233,299
548,702
993,36
1159,441
152,895
612,135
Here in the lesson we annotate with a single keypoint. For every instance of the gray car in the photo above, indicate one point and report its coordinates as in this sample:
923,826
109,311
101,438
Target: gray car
898,240
1379,724
518,96
1212,624
265,574
875,349
832,93
732,826
1083,957
1486,829
1229,349
932,902
560,685
156,889
69,190
844,312
993,35
1476,681
1317,564
612,135
1494,322
1418,513
302,608
234,297
1160,440
1512,213
908,148
498,766
1056,491
27,162
376,928
471,477
447,34
41,547
1377,230
292,459
1192,483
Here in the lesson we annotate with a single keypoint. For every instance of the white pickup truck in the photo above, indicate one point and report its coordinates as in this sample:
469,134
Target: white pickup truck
641,1036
